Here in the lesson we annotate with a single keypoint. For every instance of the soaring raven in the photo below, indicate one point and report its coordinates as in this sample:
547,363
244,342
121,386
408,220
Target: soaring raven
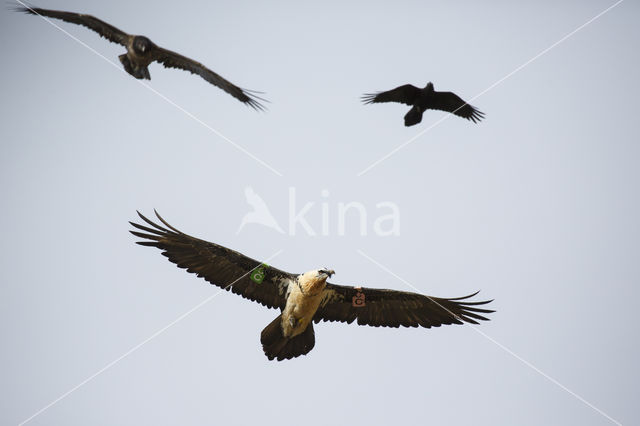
141,52
424,99
302,298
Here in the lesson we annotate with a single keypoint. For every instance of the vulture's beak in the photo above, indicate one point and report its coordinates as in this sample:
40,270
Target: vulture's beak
328,272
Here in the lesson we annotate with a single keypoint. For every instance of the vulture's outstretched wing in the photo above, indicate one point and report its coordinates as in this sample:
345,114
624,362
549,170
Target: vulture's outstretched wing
391,308
105,30
172,59
219,265
450,102
406,94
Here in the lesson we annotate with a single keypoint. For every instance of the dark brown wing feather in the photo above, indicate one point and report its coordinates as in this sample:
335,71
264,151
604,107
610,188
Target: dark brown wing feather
107,31
450,102
174,60
391,308
406,94
219,265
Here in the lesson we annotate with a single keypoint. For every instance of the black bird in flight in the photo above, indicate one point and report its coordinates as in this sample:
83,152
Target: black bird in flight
141,52
424,99
302,298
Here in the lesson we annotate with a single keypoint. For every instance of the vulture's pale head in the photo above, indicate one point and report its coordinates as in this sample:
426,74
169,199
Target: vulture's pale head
325,272
319,274
316,275
314,280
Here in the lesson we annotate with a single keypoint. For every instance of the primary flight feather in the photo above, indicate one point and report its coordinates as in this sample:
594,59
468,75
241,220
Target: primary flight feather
303,299
141,52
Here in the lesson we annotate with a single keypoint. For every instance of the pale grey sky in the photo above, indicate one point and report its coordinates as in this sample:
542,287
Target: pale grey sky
537,206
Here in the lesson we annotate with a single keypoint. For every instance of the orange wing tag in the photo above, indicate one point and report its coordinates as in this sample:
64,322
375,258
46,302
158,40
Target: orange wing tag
357,301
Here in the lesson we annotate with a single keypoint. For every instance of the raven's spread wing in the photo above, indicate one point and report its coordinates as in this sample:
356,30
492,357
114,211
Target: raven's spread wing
107,31
174,60
450,102
391,308
219,265
406,94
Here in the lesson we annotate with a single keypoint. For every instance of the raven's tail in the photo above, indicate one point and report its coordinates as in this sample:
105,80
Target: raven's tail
275,345
414,116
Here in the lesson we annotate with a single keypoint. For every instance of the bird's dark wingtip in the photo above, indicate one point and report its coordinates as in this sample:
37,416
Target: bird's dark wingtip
253,103
468,296
165,222
141,216
252,99
476,115
21,9
256,105
255,92
158,216
368,98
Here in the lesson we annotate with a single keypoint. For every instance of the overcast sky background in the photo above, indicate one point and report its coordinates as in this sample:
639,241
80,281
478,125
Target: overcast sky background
537,206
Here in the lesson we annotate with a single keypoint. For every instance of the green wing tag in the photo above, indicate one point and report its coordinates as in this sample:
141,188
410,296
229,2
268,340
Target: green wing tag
257,275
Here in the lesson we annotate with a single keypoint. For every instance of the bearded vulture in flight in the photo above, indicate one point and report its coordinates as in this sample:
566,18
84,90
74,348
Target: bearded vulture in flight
141,52
421,100
302,298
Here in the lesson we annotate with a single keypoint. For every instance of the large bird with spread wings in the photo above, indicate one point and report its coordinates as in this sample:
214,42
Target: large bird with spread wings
421,100
141,52
302,298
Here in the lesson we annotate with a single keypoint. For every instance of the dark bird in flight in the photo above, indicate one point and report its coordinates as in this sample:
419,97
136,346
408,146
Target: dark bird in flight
302,298
141,52
421,100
